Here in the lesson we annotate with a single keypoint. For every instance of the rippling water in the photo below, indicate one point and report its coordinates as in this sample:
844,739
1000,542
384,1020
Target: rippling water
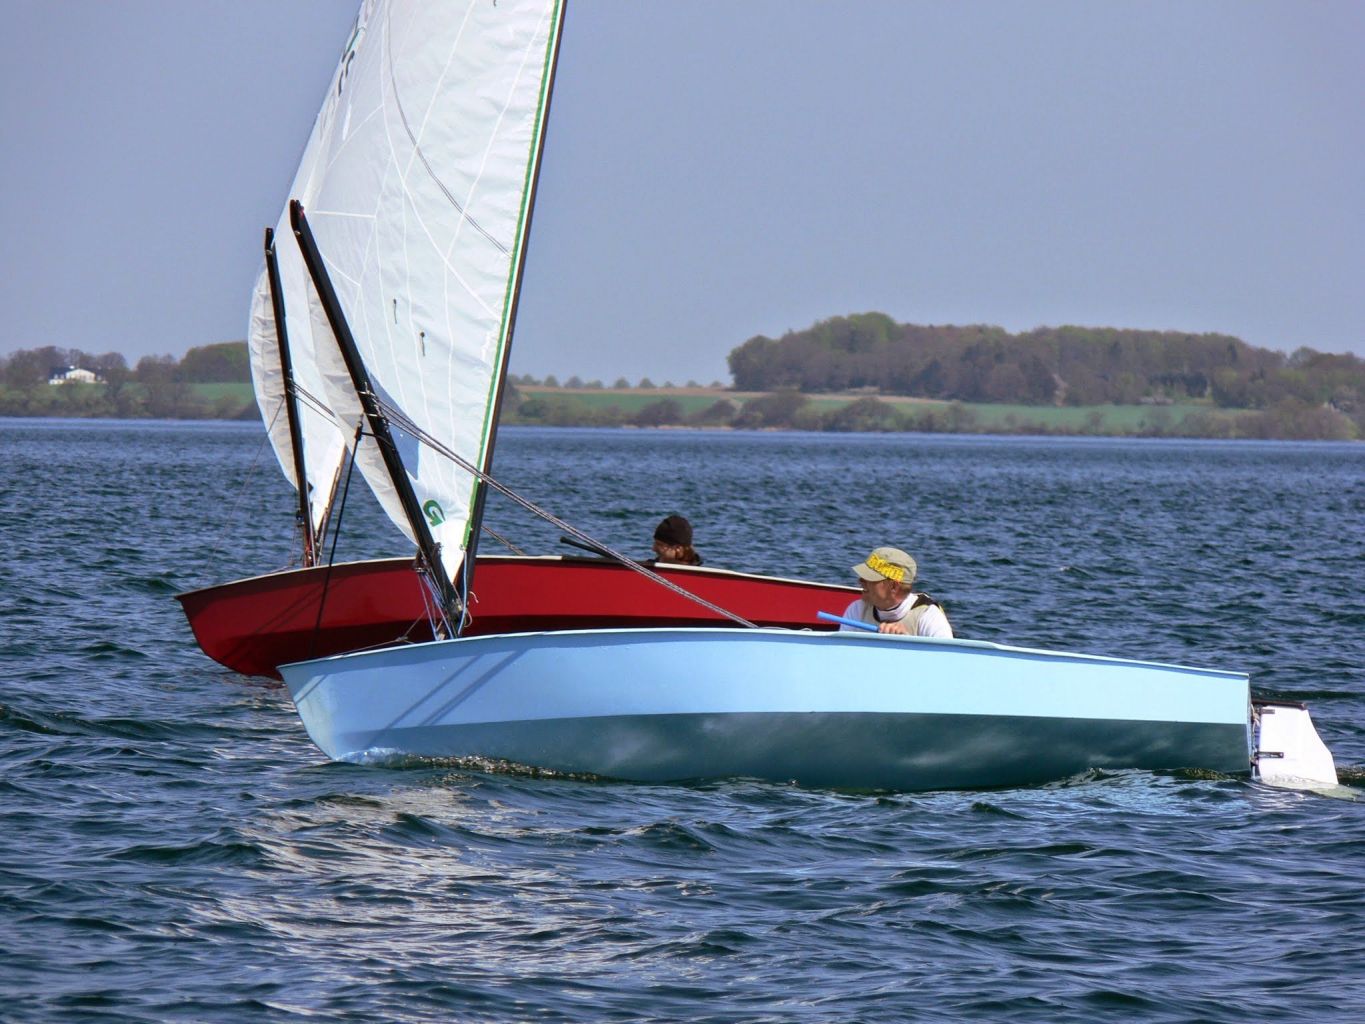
173,848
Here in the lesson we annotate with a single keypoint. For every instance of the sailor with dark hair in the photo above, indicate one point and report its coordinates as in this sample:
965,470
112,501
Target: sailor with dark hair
889,603
673,542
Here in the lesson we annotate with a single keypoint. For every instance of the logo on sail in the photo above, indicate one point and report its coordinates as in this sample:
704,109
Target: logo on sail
434,513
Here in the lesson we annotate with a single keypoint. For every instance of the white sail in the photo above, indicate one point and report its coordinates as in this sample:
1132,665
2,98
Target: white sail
324,436
324,444
426,156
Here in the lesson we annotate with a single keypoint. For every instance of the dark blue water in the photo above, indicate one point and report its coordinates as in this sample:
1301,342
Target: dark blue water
173,848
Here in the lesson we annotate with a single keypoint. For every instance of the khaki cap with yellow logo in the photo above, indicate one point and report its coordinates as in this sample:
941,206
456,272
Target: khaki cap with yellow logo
887,564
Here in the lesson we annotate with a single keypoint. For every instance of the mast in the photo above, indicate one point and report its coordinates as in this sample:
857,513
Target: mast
466,573
378,424
310,554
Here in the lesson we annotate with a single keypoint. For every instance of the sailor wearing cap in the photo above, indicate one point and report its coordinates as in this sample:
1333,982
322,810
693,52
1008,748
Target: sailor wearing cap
673,542
889,602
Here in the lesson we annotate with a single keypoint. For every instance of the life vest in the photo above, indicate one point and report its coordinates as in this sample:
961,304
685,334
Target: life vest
919,607
922,603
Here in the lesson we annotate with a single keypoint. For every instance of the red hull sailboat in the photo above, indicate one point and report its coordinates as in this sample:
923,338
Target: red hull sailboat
254,625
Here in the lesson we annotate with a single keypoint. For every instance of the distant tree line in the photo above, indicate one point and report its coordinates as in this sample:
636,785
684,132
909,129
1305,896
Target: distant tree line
1240,391
1077,366
159,387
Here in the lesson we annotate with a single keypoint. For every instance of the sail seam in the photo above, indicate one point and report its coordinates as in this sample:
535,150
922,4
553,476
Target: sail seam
421,155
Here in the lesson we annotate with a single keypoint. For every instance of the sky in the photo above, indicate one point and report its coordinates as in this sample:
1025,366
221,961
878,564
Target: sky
719,169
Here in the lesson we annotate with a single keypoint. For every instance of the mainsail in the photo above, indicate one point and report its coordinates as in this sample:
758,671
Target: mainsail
322,441
322,438
424,159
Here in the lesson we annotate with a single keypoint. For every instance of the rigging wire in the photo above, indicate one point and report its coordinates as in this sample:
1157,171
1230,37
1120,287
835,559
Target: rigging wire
440,621
313,401
397,416
502,540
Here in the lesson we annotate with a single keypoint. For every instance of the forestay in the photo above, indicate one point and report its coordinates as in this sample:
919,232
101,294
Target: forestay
426,152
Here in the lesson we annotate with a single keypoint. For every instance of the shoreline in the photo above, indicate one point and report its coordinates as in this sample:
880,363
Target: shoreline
858,411
1018,434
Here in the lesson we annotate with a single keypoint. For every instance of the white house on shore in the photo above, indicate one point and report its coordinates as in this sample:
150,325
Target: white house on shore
73,375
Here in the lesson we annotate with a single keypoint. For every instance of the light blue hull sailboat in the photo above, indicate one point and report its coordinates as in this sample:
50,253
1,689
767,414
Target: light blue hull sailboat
420,177
847,710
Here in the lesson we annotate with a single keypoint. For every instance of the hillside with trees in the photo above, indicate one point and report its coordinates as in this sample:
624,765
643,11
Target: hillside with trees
1045,366
1058,366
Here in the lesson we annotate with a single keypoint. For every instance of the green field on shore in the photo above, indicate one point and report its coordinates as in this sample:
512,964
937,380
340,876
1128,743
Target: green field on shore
1095,419
235,391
